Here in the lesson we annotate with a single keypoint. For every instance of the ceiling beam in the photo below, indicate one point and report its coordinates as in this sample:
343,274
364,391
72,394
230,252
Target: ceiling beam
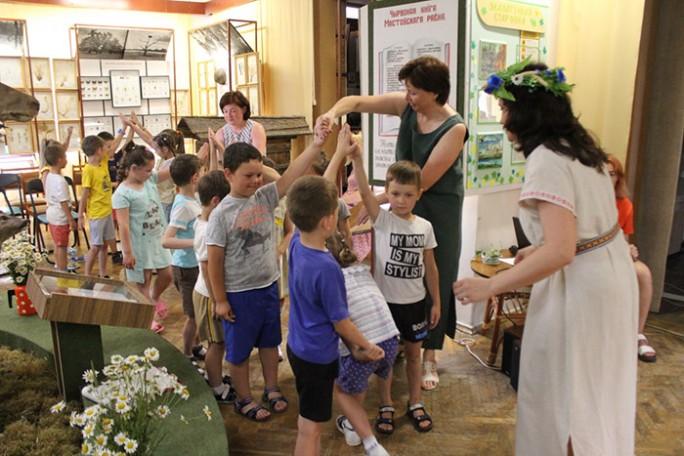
154,6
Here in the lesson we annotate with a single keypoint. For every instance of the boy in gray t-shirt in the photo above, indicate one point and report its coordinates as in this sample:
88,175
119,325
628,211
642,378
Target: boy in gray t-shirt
241,260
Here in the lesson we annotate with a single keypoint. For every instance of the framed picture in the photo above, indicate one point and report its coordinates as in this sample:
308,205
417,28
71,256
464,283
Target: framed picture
241,69
12,37
252,68
155,87
202,74
492,58
46,130
64,126
94,125
157,122
46,110
65,73
95,88
253,97
490,150
517,157
125,88
20,137
12,71
211,69
488,110
147,44
212,104
180,101
159,106
40,73
100,42
68,105
528,51
203,103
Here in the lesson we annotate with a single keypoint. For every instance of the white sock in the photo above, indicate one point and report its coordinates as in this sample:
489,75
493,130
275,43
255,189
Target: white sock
369,442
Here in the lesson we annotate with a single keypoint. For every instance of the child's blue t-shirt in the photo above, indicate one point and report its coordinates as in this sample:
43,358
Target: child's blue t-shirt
184,212
318,299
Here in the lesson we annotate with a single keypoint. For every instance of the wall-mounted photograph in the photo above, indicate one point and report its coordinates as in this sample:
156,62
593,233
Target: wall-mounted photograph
492,58
147,44
46,111
490,150
65,73
101,43
11,37
40,73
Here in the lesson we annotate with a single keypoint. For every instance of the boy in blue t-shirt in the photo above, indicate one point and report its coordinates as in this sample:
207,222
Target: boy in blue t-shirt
318,308
179,236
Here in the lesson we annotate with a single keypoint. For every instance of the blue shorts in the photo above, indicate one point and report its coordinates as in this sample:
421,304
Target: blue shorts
354,375
257,322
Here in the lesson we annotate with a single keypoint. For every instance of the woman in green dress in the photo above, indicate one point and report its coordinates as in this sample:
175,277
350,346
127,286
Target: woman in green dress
431,134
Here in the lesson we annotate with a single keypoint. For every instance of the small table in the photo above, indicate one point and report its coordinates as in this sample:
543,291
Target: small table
494,308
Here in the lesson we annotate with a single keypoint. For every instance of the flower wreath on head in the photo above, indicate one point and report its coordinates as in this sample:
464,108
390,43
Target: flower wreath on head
552,80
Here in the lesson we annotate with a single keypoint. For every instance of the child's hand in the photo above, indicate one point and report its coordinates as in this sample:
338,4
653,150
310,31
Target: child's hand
203,152
81,223
128,260
224,311
70,130
374,353
435,315
320,135
73,225
325,121
346,144
124,121
134,119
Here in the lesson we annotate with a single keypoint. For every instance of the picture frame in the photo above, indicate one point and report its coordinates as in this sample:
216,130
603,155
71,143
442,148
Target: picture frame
159,106
489,148
180,102
12,37
46,130
254,99
68,106
241,69
95,88
203,103
94,125
212,103
528,51
65,74
155,87
63,126
517,157
155,123
492,58
100,42
125,88
12,72
147,44
46,110
488,110
202,74
41,78
211,69
20,137
253,68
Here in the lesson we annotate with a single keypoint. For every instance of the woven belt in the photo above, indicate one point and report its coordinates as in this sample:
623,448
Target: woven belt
591,244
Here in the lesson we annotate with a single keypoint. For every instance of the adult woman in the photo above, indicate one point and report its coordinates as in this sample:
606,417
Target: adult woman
577,386
239,127
431,134
626,220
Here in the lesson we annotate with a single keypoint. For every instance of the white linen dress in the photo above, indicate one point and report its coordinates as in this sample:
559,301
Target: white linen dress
578,356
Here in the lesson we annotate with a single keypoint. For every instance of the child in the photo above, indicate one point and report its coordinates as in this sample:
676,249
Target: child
179,235
212,188
96,201
318,308
111,143
59,216
404,254
241,230
141,224
369,312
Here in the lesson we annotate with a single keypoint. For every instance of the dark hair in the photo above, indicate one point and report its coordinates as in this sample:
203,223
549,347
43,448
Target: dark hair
183,168
239,153
309,200
238,99
621,190
138,156
212,184
53,152
337,245
91,144
166,139
430,74
106,136
403,172
178,138
320,165
538,117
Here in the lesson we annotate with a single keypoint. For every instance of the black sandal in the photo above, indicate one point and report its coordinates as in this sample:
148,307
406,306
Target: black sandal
418,419
381,420
272,401
251,414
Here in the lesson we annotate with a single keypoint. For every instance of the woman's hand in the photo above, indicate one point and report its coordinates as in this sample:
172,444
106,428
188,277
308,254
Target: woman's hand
325,121
473,289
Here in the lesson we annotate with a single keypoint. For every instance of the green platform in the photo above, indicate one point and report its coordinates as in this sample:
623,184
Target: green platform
33,335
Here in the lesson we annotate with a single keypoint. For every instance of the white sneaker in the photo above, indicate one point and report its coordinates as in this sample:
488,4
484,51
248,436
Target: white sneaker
350,435
377,450
280,354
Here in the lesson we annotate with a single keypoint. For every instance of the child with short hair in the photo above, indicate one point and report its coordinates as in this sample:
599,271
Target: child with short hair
212,188
96,201
318,308
141,224
179,236
403,258
369,312
60,219
241,230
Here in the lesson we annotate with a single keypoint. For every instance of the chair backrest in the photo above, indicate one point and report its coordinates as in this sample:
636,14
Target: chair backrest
33,187
70,183
8,180
520,237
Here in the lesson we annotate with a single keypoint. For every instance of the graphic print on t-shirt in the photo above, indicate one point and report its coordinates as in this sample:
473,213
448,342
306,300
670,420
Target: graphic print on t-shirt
404,263
153,221
253,227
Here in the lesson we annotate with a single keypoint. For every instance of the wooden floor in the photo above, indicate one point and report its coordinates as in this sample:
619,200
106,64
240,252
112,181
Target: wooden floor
474,407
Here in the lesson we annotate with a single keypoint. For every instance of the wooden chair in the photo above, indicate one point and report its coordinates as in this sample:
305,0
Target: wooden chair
10,181
33,189
505,310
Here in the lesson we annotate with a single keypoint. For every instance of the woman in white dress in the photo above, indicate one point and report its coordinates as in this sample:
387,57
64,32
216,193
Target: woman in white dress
239,127
577,386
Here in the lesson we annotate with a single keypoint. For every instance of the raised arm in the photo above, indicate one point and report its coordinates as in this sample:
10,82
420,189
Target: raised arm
144,134
370,202
259,137
299,166
390,103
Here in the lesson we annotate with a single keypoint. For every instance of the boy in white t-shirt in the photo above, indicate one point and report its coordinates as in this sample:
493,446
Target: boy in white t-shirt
404,257
60,219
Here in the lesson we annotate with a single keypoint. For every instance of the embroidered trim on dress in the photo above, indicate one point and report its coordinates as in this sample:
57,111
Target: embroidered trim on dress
548,197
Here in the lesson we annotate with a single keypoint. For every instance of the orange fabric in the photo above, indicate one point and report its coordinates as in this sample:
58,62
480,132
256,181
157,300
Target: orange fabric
625,215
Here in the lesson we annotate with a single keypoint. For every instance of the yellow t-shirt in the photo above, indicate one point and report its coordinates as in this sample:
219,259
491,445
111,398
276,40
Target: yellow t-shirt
97,179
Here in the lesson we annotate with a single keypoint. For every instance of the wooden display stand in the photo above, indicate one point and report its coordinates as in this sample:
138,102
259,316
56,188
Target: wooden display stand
76,306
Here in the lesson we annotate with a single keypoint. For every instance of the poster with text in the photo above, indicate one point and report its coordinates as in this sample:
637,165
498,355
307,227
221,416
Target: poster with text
400,31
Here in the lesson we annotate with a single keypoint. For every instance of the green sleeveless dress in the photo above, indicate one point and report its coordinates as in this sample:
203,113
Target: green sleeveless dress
442,206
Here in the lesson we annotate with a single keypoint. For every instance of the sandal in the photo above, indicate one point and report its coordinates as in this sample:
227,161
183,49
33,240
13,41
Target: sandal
429,375
251,414
156,327
382,421
418,419
160,309
273,401
646,353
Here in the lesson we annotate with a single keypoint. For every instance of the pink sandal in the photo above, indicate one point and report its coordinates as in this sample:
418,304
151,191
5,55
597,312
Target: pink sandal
160,309
157,327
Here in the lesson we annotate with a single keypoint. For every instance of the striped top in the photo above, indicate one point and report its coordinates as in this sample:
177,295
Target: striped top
244,135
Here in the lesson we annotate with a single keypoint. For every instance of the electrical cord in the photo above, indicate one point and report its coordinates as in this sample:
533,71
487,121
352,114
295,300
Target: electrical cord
467,341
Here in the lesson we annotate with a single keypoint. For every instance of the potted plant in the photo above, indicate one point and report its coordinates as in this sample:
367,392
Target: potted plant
19,256
491,256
